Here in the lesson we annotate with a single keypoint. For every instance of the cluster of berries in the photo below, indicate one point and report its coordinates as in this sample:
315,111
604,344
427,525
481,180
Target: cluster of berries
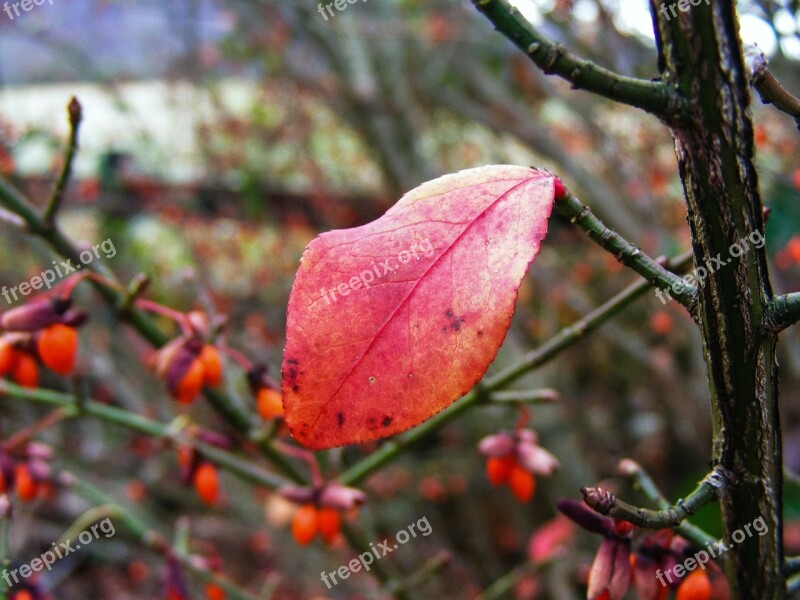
42,332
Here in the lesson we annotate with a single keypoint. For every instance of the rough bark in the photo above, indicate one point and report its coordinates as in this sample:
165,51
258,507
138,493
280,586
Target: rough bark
701,55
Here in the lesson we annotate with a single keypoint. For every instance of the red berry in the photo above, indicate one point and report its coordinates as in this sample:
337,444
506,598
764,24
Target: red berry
695,586
206,482
268,403
214,592
190,384
58,348
212,365
24,484
305,524
8,357
522,483
25,371
498,469
329,523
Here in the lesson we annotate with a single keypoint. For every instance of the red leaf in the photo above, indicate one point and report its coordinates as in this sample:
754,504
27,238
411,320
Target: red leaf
391,322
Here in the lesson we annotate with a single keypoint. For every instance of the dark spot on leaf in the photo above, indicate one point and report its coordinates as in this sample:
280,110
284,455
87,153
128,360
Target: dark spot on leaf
340,418
371,422
449,313
291,372
295,388
480,333
387,420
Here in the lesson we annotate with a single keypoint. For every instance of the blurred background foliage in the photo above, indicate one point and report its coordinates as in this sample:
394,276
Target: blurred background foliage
221,136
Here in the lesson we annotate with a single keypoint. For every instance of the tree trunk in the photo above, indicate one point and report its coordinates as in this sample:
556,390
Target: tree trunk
701,54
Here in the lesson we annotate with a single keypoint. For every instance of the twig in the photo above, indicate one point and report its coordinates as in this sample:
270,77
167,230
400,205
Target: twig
501,587
782,312
541,396
791,566
5,532
243,468
24,435
769,88
75,115
654,97
625,252
149,537
645,484
606,503
377,569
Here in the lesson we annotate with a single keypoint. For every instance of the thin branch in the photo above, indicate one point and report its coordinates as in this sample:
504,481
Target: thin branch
791,566
503,586
642,482
769,88
75,115
532,360
242,467
149,537
654,97
708,490
625,252
5,534
782,312
540,396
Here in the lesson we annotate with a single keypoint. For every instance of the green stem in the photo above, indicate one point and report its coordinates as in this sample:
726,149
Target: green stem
791,566
654,97
625,252
642,481
241,467
149,537
544,353
5,534
782,312
360,545
608,504
75,116
502,586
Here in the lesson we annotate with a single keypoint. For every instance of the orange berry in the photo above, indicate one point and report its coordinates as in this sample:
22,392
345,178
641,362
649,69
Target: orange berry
522,483
8,356
268,403
191,383
661,323
214,592
695,586
329,523
25,371
212,365
796,178
23,595
58,348
793,249
498,469
206,482
305,524
23,482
